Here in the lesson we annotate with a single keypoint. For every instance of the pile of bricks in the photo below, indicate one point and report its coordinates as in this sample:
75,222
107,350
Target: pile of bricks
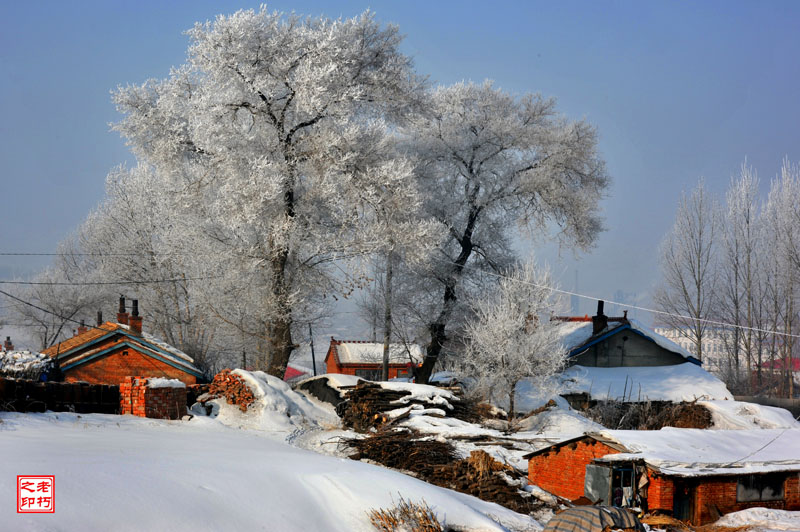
232,388
136,398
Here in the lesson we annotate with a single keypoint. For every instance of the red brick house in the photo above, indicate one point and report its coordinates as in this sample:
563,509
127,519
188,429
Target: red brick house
365,359
695,475
109,352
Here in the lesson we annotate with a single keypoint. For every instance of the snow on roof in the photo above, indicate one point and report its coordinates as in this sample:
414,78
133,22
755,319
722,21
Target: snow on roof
698,452
161,344
22,361
662,341
372,353
680,382
575,334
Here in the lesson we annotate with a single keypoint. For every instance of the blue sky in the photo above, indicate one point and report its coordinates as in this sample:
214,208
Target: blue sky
677,90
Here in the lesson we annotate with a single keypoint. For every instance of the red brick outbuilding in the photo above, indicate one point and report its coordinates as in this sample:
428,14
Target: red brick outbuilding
110,352
694,475
365,359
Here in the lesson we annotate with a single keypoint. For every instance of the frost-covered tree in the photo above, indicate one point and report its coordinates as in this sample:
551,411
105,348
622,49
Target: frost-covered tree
494,166
512,338
257,135
689,268
137,238
782,223
56,301
739,267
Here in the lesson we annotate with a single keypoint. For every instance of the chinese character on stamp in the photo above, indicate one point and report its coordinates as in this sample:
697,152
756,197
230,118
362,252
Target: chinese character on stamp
36,494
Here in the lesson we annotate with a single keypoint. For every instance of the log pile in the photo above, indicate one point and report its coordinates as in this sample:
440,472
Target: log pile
232,388
366,404
436,462
482,476
403,449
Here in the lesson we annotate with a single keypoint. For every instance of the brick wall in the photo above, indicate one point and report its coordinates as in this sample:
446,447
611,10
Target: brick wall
562,470
719,495
660,492
791,490
114,367
138,399
394,369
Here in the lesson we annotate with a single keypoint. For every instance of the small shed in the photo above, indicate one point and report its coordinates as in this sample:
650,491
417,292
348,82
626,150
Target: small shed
692,474
109,352
365,359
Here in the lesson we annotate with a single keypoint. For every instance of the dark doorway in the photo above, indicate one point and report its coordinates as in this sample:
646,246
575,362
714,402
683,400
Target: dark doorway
683,500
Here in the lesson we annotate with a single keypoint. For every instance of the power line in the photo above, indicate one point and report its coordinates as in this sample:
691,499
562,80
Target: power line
108,283
636,307
63,318
25,254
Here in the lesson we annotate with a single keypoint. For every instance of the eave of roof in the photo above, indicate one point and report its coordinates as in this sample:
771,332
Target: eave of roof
616,330
176,363
107,330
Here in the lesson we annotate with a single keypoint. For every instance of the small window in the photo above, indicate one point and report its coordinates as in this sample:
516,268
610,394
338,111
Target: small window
752,488
369,374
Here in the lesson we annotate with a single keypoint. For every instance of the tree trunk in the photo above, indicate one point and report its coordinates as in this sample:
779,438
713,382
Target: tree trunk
437,328
387,316
280,340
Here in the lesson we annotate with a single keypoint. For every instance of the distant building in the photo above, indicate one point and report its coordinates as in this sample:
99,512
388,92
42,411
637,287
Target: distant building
365,359
616,358
715,341
603,341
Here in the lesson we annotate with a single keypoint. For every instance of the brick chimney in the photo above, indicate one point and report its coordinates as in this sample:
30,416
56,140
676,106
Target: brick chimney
7,345
82,328
600,321
122,314
135,321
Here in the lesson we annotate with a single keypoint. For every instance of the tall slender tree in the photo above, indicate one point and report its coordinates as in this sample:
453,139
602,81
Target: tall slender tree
490,163
688,267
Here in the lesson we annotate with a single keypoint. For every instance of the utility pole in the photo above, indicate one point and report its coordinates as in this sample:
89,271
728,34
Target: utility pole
313,358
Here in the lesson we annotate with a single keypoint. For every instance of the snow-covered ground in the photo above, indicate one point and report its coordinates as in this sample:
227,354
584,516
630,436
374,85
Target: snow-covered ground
680,382
762,520
740,415
127,473
254,470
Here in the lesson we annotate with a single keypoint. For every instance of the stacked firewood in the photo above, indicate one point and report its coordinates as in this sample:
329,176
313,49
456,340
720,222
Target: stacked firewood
366,404
232,388
403,449
482,476
436,462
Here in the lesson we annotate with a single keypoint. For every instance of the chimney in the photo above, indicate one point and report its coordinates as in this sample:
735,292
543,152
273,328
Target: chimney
99,318
122,314
7,345
135,321
82,328
600,321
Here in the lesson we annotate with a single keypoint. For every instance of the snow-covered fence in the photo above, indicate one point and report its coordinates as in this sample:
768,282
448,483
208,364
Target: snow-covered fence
33,396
